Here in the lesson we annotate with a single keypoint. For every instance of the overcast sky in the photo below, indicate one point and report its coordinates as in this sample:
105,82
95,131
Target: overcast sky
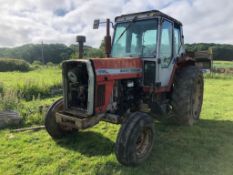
59,21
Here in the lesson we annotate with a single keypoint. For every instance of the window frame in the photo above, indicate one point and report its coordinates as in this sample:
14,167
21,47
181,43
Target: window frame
172,41
157,35
179,28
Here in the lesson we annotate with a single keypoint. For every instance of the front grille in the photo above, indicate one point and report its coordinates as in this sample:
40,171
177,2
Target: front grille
75,75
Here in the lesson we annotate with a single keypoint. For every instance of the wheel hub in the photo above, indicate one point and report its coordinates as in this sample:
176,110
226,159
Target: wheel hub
144,142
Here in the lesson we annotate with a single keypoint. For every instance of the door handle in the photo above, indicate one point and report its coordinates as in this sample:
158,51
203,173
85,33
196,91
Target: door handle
159,61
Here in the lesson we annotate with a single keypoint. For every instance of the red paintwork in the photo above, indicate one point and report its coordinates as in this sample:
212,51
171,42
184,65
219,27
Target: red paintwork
117,63
109,79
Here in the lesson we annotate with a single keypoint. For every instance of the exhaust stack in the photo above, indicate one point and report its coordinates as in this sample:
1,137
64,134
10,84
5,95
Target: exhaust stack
80,39
107,39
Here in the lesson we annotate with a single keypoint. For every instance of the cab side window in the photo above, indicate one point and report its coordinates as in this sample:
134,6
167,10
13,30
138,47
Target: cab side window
177,40
166,43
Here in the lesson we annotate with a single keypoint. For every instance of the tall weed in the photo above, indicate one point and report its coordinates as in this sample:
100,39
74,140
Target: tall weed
9,101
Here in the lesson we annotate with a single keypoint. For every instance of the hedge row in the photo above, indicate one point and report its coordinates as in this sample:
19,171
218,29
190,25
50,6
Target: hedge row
10,64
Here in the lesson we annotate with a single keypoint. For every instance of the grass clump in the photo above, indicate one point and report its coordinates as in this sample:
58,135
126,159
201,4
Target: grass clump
50,64
33,111
1,87
10,64
31,89
8,101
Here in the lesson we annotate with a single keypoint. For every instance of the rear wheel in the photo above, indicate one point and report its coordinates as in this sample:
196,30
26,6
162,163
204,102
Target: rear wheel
54,129
187,95
135,139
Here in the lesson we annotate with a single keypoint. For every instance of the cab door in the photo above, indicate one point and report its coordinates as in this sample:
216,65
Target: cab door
165,54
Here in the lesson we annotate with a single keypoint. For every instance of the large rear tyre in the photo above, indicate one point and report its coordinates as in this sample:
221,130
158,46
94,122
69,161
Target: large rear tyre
54,129
187,95
135,139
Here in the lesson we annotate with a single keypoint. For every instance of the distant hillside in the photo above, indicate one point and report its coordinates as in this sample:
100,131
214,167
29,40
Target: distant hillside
56,53
30,52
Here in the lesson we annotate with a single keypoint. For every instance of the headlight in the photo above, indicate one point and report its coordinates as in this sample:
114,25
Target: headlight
72,75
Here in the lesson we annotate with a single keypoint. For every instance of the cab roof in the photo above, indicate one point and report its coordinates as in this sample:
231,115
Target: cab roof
145,15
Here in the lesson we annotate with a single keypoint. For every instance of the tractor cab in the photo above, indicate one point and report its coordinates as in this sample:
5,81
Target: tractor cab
145,35
154,37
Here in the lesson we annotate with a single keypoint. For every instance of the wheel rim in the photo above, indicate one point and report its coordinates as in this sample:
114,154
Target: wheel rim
144,142
197,98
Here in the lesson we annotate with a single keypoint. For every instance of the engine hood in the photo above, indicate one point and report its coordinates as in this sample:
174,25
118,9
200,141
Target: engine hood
117,68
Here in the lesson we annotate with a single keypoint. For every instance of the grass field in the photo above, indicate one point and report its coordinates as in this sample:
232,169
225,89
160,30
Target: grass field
39,82
223,64
204,149
41,77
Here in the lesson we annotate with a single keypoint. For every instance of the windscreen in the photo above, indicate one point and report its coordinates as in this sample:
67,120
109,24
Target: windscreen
135,39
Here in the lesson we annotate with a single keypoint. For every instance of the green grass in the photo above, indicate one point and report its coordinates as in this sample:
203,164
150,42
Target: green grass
39,82
218,76
33,111
223,64
43,76
204,149
36,86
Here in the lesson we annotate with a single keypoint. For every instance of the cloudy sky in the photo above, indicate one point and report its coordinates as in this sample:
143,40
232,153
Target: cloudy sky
53,21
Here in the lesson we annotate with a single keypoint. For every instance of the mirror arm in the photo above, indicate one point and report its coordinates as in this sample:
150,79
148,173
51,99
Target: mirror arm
112,24
107,38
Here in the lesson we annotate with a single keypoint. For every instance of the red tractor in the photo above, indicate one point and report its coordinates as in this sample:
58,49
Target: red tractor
146,75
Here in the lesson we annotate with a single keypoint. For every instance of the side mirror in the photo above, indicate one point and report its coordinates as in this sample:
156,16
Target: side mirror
107,38
96,24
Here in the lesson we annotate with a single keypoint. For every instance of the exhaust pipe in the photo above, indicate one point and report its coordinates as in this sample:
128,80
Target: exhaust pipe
80,39
107,39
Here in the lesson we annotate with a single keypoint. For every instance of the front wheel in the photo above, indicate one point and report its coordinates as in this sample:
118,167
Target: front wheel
135,139
54,129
